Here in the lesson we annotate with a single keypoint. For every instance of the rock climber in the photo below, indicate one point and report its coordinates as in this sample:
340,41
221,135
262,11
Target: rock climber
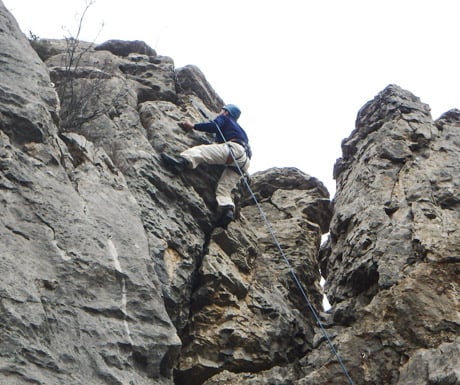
231,145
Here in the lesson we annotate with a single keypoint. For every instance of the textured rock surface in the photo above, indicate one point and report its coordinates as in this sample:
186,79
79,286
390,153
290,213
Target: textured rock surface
247,314
109,260
113,272
78,291
28,104
392,258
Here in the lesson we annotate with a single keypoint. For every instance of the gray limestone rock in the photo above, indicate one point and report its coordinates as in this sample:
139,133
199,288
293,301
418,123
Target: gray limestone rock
190,80
247,313
28,102
113,271
125,48
391,262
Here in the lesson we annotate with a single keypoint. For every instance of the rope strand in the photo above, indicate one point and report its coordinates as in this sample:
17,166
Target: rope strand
286,260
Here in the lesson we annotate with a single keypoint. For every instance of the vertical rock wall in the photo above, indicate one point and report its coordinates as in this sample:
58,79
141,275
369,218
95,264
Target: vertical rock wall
79,291
247,313
114,273
391,261
392,258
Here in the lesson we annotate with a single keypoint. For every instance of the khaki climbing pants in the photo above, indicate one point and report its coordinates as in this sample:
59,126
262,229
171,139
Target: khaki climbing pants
219,153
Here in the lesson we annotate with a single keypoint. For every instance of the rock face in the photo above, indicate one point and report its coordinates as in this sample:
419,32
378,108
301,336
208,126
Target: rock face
242,318
392,258
113,271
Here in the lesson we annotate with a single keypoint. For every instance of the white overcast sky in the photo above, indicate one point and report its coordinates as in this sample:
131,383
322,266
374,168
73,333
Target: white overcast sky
299,69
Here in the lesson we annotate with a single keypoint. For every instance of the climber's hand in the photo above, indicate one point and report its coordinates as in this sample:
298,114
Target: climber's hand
186,125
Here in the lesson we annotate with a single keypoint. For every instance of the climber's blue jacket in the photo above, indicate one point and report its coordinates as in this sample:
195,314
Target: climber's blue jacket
230,129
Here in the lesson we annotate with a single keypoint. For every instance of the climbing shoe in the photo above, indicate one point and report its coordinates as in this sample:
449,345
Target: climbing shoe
228,215
175,164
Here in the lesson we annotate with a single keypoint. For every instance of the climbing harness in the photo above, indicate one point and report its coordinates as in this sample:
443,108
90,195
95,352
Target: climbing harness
281,251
